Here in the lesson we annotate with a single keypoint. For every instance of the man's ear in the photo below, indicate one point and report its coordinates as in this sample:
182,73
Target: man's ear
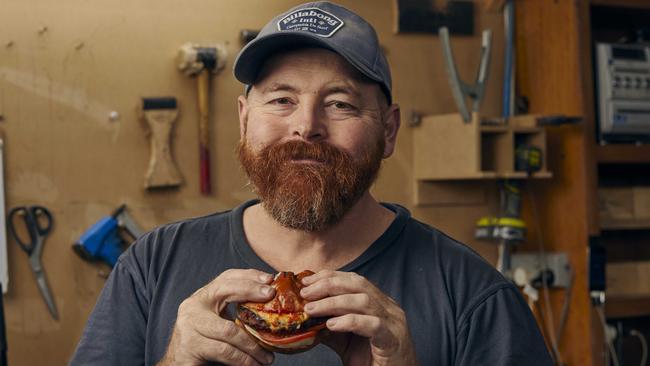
242,105
392,122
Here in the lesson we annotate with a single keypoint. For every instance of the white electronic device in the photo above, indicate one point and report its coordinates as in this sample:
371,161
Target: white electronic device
623,81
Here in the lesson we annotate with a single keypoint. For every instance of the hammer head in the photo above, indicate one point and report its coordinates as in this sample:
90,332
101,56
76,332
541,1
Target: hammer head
193,58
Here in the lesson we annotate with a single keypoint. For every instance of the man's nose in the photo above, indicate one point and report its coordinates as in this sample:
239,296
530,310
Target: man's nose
308,123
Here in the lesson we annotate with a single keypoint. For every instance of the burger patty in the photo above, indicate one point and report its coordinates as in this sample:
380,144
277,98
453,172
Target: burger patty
252,320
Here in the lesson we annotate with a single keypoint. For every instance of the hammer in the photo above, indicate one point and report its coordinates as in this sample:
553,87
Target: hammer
201,61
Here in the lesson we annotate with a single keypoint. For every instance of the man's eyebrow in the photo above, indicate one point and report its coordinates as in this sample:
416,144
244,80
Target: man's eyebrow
279,87
343,89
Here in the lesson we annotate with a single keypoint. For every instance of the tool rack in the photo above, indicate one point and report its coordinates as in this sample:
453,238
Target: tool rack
446,149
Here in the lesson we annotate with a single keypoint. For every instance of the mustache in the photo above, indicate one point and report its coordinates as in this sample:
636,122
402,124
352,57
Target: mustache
319,151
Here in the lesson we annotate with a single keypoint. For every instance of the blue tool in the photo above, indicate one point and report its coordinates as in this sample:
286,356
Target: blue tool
509,59
103,242
37,221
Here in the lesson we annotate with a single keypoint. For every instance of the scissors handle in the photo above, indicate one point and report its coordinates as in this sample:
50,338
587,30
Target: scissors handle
38,222
40,211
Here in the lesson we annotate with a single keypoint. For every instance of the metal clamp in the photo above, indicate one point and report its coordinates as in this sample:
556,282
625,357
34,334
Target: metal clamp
460,89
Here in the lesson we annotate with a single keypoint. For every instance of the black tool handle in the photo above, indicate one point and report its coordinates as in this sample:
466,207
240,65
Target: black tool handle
40,211
35,226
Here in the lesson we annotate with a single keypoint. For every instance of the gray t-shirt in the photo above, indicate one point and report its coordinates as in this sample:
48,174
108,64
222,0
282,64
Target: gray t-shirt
460,310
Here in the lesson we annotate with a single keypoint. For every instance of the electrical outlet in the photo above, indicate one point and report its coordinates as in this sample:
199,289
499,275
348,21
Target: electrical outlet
527,267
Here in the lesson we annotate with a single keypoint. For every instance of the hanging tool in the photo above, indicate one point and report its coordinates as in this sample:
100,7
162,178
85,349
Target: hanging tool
201,61
103,242
4,268
158,115
460,90
508,229
37,221
509,60
4,265
247,35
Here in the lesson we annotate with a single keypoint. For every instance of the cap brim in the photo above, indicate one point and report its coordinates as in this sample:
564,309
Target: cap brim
248,63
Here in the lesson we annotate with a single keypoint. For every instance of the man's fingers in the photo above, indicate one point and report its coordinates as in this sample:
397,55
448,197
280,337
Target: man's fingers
363,325
318,276
231,275
368,326
243,274
228,332
341,305
236,290
243,290
329,283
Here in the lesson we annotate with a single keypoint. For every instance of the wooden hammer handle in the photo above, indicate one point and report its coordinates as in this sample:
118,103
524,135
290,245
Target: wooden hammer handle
203,82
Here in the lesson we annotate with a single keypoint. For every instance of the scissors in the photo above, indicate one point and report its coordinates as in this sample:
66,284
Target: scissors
37,221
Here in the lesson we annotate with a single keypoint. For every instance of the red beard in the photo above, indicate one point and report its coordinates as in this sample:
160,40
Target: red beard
309,196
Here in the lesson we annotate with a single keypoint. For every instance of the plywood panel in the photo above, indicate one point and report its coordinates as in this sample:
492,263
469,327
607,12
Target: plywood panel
66,65
550,74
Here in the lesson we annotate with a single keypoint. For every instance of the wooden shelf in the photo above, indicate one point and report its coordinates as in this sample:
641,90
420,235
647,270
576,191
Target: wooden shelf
446,148
623,153
622,3
544,174
494,175
610,224
504,129
627,307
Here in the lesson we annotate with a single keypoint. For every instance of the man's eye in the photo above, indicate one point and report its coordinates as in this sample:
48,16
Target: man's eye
283,100
342,105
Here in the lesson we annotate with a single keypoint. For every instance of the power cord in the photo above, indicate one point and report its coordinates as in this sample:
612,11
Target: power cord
565,306
644,346
549,318
608,340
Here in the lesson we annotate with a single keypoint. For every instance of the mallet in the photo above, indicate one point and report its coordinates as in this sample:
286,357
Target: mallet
201,61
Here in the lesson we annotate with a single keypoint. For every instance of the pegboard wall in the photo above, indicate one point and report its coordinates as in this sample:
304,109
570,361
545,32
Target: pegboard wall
71,75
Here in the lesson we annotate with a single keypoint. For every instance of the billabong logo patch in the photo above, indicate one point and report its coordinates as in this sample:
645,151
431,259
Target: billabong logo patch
311,20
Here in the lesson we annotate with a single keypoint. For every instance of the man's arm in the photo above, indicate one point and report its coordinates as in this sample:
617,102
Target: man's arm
114,334
501,330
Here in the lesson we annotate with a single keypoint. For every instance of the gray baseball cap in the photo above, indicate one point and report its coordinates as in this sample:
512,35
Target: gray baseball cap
318,24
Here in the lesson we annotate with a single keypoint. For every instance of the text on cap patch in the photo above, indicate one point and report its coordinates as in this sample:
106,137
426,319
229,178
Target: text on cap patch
311,20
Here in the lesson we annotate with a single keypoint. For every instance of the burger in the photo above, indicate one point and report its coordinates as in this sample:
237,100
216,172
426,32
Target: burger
281,325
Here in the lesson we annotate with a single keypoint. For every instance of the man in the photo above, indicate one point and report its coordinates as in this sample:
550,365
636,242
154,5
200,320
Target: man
316,121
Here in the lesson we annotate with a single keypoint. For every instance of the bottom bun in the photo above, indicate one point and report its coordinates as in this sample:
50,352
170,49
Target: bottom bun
303,344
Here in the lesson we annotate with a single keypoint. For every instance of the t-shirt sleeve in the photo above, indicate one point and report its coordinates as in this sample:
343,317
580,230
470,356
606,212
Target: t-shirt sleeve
115,331
500,330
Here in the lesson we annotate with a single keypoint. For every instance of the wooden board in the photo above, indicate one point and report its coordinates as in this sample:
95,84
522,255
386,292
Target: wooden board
628,279
58,87
445,146
550,74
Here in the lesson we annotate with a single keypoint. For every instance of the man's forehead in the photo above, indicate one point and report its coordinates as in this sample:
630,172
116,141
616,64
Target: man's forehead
332,86
314,60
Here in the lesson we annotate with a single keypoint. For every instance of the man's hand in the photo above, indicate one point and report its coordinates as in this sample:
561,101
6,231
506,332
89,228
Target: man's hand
368,327
201,335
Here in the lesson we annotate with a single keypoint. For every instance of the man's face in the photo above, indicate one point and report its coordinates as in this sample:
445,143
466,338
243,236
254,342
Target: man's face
313,137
